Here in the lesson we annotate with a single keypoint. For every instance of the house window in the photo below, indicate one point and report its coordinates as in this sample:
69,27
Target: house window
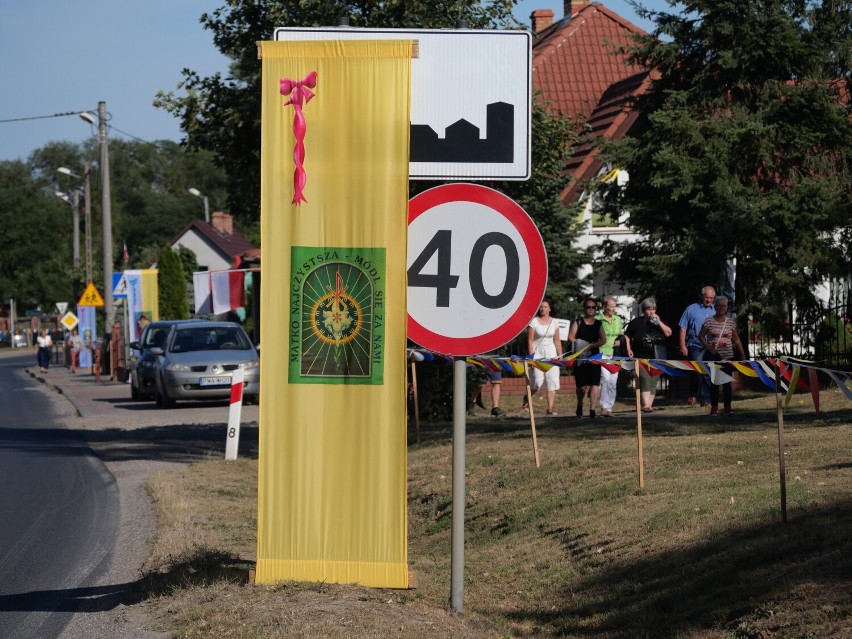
603,217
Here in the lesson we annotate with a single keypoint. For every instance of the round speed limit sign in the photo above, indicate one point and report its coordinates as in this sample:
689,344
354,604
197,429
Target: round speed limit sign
477,269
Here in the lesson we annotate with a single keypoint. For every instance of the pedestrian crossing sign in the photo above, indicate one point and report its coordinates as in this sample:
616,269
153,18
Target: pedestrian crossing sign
91,297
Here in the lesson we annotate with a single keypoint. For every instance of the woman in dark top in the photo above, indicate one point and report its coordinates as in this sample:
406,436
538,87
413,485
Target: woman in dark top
587,377
644,334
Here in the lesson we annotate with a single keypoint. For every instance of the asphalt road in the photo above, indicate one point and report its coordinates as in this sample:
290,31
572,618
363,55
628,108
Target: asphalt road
59,512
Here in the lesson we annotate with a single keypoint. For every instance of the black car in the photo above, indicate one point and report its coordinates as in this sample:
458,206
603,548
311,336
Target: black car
142,384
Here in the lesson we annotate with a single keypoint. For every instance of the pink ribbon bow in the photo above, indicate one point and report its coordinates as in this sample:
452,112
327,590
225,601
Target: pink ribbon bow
300,93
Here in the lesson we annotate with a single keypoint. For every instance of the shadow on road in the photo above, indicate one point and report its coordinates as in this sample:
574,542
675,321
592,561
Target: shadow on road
178,443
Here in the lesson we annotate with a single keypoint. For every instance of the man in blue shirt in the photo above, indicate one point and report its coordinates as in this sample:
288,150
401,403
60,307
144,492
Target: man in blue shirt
690,326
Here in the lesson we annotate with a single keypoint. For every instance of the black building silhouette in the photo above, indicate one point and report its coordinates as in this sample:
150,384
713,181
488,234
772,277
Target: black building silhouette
461,141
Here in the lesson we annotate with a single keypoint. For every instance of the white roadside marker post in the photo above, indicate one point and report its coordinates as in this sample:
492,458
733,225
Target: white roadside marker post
232,443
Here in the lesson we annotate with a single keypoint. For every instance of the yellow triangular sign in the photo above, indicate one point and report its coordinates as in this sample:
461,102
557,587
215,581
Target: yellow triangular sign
91,297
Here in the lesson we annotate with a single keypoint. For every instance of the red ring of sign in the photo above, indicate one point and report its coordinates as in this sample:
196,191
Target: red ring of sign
536,286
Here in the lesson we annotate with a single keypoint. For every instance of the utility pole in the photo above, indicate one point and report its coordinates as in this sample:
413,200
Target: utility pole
107,214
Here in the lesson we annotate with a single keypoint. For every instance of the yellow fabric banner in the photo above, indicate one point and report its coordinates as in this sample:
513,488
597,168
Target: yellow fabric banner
151,292
332,461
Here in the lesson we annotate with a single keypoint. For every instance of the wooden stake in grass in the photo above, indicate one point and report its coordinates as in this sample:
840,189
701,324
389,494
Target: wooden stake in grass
414,395
532,415
639,423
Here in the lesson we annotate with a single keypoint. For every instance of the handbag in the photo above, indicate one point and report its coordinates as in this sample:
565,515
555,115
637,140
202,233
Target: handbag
621,349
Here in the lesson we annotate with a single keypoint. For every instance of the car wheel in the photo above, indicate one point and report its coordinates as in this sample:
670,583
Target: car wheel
163,400
134,390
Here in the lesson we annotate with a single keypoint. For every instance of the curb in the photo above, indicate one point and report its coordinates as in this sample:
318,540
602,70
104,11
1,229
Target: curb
55,388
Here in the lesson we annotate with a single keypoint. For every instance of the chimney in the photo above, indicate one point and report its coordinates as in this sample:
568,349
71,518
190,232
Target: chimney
540,19
223,222
573,6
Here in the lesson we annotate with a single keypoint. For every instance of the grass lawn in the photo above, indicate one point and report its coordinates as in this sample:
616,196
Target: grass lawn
571,549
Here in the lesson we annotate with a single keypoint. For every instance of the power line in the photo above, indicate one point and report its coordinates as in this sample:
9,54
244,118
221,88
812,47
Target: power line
42,117
130,135
59,115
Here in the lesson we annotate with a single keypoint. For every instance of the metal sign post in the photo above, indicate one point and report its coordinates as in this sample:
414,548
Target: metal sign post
459,449
477,273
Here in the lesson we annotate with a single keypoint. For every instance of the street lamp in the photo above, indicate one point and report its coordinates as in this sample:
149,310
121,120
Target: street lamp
106,208
87,209
74,201
197,193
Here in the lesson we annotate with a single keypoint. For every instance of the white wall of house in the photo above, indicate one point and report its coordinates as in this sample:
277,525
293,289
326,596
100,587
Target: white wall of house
208,257
594,233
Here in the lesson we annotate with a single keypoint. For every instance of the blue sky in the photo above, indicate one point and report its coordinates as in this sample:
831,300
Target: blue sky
57,56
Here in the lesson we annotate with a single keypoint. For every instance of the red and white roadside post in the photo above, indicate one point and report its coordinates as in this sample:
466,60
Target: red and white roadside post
232,443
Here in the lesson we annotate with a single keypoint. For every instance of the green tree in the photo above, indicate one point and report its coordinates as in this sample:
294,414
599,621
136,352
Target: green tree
150,204
742,154
222,114
150,183
189,262
35,262
149,190
174,303
553,138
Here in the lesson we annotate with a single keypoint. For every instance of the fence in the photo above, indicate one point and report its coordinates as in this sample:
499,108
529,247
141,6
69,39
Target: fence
826,339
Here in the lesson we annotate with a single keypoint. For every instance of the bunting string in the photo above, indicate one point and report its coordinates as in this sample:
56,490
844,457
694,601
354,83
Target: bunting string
789,379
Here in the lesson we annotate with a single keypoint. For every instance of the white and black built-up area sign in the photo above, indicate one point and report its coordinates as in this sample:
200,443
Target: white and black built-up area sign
470,99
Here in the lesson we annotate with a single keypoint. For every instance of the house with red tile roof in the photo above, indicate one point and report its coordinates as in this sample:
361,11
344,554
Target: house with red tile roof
576,71
217,244
580,74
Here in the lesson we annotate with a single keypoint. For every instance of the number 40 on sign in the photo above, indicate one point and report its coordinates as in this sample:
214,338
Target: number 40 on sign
477,269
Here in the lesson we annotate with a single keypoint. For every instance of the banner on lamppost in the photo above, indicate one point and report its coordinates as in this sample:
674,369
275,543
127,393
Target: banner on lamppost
87,329
143,302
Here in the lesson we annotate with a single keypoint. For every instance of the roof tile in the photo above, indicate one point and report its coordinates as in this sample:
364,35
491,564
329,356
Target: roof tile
575,68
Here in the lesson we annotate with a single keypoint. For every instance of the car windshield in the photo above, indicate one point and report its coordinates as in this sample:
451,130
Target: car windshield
207,338
155,337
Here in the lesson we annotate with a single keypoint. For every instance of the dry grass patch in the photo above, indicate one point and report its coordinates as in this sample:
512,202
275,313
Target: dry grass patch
572,549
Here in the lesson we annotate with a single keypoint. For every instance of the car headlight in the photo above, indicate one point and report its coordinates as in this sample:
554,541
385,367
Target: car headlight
146,364
175,367
252,364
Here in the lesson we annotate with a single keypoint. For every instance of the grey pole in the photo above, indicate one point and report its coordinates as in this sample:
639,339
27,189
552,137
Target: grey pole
107,214
459,423
87,218
197,193
75,214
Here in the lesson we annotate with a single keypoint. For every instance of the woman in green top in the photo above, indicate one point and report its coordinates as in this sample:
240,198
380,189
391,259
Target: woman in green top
612,327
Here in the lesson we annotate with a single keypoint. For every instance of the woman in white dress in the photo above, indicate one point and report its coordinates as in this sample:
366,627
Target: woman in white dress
543,343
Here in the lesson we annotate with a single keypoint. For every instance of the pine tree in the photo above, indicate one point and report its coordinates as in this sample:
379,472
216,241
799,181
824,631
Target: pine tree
174,303
743,154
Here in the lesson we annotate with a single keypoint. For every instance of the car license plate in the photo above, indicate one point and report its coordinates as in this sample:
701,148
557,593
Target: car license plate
220,380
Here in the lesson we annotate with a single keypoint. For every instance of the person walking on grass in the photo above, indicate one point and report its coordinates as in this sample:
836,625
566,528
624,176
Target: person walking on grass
496,379
588,331
719,337
609,380
543,343
690,324
645,334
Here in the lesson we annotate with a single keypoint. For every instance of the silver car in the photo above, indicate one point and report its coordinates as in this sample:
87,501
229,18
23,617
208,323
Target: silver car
198,359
